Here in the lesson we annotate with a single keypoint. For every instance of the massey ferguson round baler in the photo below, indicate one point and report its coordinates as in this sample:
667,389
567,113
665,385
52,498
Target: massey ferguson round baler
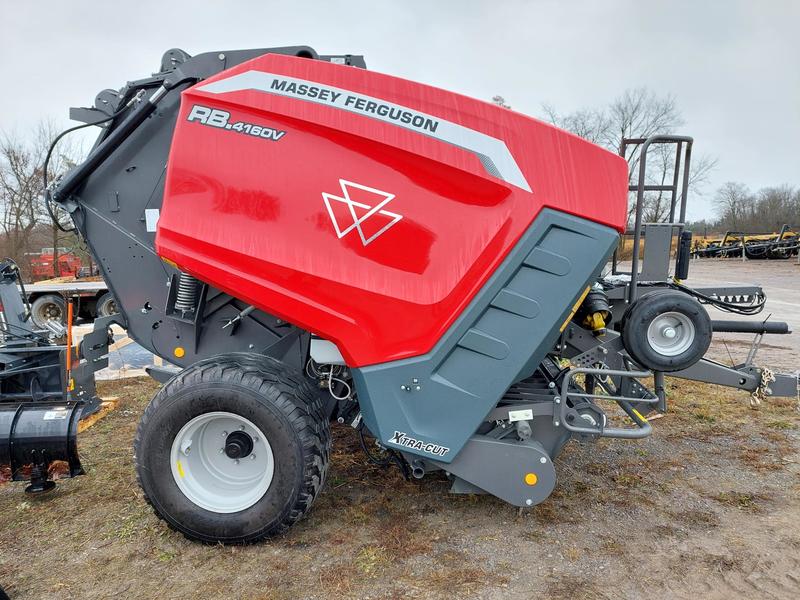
310,241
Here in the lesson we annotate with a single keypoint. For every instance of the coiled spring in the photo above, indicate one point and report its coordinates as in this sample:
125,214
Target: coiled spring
186,296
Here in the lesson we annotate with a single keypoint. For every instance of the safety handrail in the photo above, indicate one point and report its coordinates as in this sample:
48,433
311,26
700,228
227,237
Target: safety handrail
640,188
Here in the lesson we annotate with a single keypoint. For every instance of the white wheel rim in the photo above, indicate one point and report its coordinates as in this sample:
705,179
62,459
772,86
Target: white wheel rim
671,333
207,476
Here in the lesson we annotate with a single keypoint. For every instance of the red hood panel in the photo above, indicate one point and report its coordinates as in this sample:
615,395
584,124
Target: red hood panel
365,208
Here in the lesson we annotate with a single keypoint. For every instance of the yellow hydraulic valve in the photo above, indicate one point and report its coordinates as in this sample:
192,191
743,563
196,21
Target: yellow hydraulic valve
596,321
594,312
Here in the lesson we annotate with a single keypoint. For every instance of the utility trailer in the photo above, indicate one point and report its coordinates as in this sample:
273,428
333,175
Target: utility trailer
48,300
310,241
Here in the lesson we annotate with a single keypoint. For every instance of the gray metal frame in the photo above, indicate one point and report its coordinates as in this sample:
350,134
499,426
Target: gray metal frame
627,403
123,177
655,267
682,165
32,364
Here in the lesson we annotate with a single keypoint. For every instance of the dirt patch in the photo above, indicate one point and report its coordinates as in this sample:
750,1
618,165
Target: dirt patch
689,512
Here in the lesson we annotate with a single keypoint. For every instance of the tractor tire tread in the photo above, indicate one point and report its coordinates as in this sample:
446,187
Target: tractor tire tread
287,391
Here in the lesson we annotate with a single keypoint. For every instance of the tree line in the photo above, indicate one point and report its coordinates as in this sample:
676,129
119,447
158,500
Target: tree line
764,211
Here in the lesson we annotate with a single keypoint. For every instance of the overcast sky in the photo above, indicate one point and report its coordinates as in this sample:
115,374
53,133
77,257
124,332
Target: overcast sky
733,66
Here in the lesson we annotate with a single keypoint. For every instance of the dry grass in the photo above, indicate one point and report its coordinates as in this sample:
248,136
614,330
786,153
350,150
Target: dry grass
569,587
625,249
697,519
745,501
373,533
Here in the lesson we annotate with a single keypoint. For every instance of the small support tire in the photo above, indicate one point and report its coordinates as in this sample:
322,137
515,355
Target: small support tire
666,330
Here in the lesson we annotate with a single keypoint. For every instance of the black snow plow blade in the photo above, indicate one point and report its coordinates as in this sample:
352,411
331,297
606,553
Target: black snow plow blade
38,443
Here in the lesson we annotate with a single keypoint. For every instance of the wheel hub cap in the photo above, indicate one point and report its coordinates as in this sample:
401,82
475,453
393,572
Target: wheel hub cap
222,462
238,445
671,333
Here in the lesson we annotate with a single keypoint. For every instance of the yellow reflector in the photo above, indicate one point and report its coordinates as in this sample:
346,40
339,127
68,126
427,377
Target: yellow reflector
179,352
638,414
180,470
531,479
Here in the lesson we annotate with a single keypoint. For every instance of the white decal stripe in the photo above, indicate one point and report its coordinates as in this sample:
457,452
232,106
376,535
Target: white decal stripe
492,152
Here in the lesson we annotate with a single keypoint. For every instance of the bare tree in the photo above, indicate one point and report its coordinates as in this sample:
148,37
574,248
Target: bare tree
766,211
500,101
591,124
776,206
22,210
20,188
733,201
637,113
641,113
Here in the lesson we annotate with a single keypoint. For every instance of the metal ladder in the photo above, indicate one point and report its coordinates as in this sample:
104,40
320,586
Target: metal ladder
656,262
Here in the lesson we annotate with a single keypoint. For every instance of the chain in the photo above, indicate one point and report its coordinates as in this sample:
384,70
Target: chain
762,391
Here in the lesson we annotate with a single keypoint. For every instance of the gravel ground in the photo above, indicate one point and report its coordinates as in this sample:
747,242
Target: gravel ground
781,280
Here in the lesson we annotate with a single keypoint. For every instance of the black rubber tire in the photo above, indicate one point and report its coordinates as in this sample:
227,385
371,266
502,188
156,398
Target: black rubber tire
41,305
106,305
642,312
276,399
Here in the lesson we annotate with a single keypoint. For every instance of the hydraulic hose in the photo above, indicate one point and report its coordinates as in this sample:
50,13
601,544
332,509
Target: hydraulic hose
78,175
